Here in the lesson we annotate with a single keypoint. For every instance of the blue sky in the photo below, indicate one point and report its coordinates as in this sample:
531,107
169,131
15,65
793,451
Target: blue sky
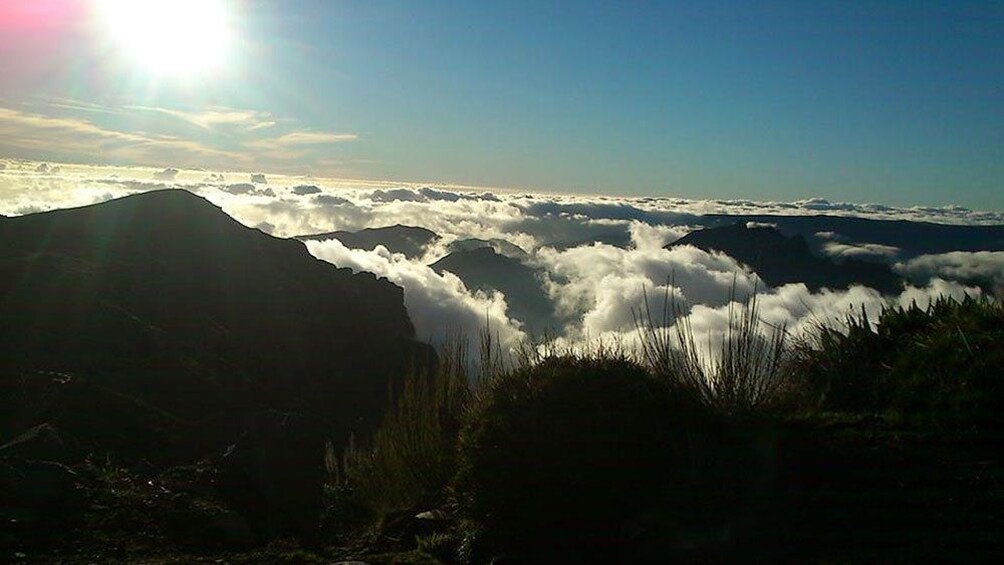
893,102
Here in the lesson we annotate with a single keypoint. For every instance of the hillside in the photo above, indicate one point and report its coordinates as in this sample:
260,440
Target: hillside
780,260
187,322
911,238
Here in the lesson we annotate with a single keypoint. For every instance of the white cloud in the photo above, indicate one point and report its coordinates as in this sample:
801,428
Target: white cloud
595,285
792,307
298,147
82,138
860,250
231,137
836,246
439,305
211,118
396,194
308,138
645,236
957,265
166,174
601,284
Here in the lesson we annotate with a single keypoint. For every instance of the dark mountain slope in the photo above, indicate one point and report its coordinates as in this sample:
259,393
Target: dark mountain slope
162,301
485,269
780,260
912,238
409,240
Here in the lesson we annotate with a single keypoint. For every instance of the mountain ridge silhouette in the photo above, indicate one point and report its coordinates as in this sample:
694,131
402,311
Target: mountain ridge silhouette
164,299
780,260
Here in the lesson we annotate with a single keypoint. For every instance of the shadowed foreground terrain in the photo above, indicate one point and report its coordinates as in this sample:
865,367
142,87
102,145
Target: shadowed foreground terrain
179,388
155,330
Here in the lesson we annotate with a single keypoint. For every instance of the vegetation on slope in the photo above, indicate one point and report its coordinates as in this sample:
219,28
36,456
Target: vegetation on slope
863,440
761,449
938,365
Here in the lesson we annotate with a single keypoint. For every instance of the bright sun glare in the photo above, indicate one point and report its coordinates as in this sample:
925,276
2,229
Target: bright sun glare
177,37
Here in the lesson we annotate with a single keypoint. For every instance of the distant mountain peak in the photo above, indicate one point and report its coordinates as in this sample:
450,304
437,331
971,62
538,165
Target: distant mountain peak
186,206
484,268
756,238
780,259
500,246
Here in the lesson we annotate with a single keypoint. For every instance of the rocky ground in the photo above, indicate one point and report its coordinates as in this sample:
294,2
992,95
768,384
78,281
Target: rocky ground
57,507
879,494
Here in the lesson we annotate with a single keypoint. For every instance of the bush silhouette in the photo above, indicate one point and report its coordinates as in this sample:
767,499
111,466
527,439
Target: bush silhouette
934,364
564,459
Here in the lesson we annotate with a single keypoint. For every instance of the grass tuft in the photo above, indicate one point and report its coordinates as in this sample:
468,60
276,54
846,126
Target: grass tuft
411,456
744,373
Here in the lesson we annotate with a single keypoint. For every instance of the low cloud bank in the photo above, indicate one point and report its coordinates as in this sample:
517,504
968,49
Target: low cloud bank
600,288
600,256
834,245
440,306
979,266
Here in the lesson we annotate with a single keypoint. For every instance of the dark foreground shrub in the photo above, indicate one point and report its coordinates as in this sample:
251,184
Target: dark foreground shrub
952,370
570,458
411,458
942,364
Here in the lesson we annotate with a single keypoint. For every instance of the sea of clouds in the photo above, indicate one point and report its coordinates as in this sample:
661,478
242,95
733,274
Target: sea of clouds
601,258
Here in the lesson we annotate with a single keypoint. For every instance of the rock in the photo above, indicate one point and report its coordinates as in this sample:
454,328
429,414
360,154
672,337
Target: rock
274,474
211,528
434,515
41,443
39,497
100,420
37,484
409,524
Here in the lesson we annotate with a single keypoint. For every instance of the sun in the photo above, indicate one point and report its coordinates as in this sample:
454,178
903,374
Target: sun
176,37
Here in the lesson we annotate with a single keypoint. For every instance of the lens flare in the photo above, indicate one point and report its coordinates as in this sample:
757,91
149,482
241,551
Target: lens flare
177,37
